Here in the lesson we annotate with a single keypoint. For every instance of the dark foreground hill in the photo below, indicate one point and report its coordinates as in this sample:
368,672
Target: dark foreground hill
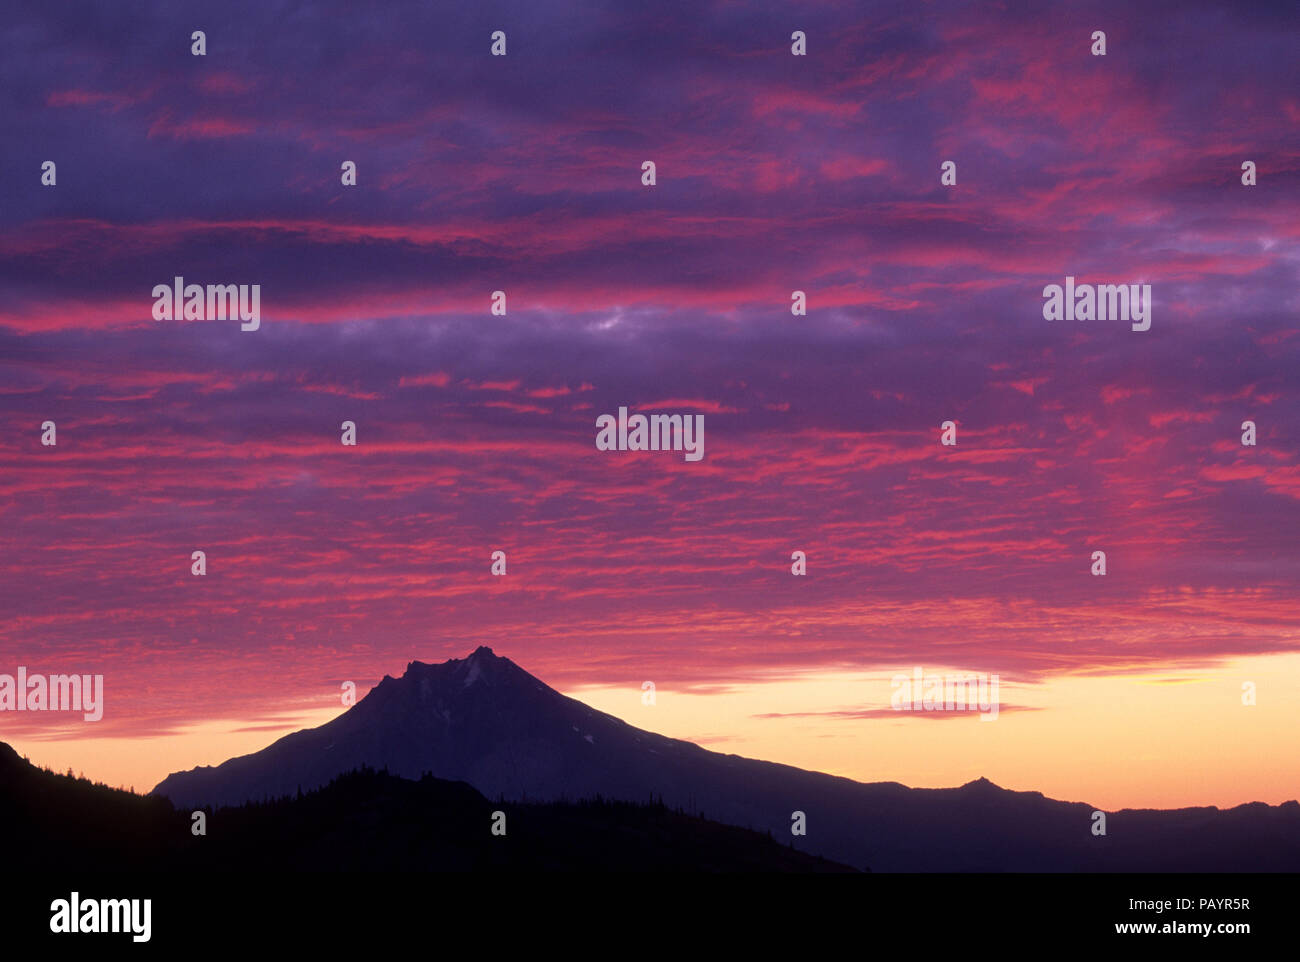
364,820
485,721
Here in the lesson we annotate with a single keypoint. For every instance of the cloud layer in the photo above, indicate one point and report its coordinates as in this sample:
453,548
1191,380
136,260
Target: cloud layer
475,432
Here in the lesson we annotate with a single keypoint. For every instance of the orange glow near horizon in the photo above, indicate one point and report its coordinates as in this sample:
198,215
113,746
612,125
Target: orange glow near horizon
1167,739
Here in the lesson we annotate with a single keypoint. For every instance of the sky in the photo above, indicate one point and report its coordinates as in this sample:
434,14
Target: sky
476,432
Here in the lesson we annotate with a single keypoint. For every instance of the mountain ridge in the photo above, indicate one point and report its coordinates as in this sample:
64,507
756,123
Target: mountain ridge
486,721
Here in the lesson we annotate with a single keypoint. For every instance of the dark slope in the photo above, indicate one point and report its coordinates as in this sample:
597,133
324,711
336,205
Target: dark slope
363,821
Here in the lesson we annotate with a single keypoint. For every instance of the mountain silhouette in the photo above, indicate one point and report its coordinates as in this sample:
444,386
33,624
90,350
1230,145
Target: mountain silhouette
365,821
485,721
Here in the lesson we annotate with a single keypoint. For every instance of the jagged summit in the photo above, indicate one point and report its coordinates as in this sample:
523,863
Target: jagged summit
481,666
482,662
480,654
